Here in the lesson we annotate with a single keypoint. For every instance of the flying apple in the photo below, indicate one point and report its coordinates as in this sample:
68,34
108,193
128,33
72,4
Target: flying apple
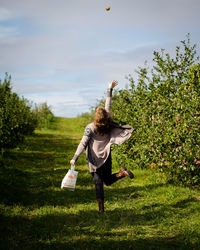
107,8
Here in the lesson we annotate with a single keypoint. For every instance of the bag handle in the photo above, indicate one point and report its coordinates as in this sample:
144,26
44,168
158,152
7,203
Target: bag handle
72,167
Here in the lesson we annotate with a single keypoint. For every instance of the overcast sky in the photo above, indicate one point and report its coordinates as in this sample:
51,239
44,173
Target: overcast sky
64,52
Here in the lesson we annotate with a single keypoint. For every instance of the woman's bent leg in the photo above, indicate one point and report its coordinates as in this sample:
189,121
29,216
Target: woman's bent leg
110,178
107,175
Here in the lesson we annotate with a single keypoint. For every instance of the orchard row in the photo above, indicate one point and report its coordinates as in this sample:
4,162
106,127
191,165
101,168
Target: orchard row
17,116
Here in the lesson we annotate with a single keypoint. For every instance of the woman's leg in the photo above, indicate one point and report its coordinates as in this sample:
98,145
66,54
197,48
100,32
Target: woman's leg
98,181
104,175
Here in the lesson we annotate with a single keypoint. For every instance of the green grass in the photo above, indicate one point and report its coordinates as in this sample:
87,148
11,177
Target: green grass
144,213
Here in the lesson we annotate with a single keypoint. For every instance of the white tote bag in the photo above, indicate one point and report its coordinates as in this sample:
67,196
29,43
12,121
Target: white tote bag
69,181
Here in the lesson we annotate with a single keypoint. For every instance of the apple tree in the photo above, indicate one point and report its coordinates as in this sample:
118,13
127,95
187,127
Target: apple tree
164,108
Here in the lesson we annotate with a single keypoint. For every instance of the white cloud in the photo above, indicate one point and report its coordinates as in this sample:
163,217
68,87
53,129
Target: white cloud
5,14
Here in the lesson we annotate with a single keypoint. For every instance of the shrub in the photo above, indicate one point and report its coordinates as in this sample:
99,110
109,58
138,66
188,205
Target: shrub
16,117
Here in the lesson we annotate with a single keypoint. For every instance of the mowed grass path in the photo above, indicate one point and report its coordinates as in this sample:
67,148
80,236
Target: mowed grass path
144,213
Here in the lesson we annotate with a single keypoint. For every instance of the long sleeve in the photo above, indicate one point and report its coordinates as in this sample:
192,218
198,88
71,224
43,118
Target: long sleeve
108,101
83,143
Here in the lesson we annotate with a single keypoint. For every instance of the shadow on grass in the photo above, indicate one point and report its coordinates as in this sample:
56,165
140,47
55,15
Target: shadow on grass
86,230
49,143
29,173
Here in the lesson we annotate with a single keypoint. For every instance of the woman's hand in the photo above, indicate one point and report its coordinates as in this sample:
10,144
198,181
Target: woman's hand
72,162
113,84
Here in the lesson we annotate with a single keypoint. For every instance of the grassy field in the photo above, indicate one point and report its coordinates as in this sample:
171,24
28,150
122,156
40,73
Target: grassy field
143,213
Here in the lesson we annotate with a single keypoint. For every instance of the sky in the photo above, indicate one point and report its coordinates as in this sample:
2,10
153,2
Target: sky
65,52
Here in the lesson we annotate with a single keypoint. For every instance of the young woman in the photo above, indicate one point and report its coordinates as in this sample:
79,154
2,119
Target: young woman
97,140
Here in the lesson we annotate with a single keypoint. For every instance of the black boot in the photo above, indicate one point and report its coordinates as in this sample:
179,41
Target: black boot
124,172
101,206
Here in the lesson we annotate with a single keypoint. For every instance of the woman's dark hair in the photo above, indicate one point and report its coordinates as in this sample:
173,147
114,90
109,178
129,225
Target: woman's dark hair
102,121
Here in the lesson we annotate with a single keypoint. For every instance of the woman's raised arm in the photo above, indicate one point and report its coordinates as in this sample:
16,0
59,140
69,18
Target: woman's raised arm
109,96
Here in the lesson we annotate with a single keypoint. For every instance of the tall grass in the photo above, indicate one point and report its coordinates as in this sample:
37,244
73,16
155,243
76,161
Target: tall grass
144,213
